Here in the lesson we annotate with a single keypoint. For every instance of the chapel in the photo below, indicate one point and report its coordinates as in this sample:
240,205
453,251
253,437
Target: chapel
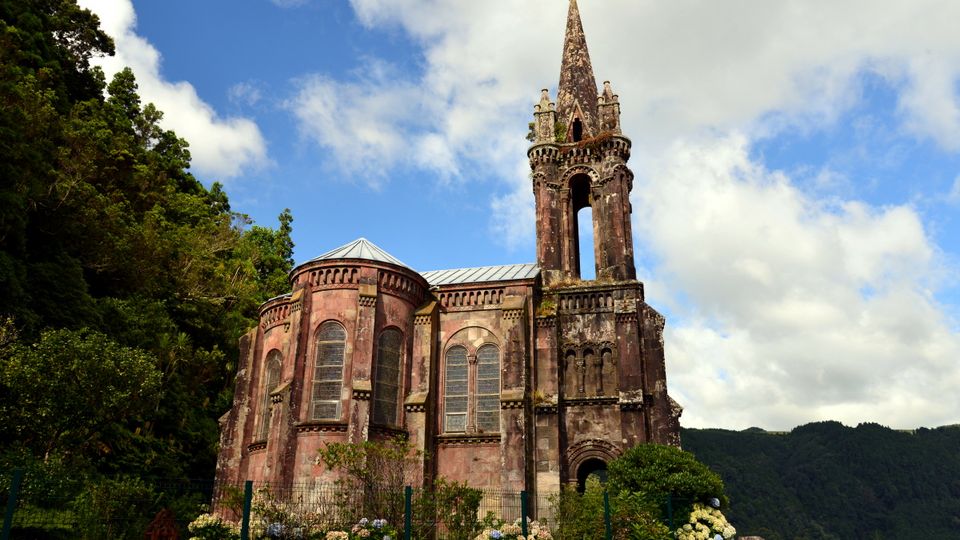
515,377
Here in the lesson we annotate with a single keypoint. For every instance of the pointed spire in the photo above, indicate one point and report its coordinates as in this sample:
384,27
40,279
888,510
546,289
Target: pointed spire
577,93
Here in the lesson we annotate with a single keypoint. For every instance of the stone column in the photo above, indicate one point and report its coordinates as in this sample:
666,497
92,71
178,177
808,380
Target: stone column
362,362
513,440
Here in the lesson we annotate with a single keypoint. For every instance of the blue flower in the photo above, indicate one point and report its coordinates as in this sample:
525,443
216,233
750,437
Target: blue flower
495,534
363,522
379,523
274,530
715,502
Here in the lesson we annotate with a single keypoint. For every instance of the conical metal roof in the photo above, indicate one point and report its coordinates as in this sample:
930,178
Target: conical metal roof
361,248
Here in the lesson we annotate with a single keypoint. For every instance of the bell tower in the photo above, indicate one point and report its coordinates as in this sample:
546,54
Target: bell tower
599,365
578,159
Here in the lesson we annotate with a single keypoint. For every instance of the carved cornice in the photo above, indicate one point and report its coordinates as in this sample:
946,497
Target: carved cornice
546,408
512,314
543,153
627,317
421,320
256,446
415,407
511,403
547,322
276,398
333,277
586,301
275,315
390,431
468,439
401,286
321,427
471,299
368,301
590,401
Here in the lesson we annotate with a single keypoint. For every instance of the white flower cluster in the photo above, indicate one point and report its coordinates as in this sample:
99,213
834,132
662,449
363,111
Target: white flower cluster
706,524
212,526
513,531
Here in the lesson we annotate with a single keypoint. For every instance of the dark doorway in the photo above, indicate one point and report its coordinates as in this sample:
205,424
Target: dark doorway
577,130
596,468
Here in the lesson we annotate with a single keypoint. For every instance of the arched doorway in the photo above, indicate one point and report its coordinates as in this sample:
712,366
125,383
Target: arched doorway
592,467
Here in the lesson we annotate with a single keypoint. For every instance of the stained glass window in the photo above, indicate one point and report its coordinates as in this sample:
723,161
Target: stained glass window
328,372
386,391
455,390
488,389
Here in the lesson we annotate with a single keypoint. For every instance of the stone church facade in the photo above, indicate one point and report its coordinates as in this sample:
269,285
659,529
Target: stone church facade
517,377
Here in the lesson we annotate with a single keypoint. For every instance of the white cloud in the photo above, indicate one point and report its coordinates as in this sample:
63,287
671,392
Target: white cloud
247,93
953,197
222,147
797,310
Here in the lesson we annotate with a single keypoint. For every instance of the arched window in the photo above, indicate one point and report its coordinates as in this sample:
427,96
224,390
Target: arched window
455,391
328,372
386,391
488,388
577,130
271,378
583,236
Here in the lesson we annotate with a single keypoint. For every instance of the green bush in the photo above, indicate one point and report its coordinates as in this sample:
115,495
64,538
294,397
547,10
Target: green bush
667,477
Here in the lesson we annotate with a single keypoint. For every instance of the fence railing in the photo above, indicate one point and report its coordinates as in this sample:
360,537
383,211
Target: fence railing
132,508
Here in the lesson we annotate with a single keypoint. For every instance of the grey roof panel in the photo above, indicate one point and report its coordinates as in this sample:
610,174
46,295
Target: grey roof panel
507,272
361,248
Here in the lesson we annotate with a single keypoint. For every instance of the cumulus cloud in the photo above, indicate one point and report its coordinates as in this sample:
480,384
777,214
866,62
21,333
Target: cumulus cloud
220,146
796,310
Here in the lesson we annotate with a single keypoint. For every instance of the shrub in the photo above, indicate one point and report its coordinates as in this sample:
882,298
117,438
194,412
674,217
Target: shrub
659,474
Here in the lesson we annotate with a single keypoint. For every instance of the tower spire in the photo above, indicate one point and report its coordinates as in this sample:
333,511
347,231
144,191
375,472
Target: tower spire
577,93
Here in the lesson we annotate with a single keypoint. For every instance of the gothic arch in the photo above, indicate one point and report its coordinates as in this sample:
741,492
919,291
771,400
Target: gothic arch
586,450
578,170
472,337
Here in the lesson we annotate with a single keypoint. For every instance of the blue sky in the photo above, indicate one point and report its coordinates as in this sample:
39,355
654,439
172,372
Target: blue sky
797,166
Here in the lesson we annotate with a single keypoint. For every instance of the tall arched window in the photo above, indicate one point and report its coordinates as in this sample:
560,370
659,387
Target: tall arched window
328,372
584,256
488,388
455,391
386,391
271,378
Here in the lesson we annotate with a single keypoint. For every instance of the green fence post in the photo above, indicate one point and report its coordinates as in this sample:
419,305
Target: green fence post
523,513
407,513
670,511
11,503
247,500
608,527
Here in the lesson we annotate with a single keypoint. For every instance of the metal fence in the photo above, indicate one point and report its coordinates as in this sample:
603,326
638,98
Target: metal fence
38,508
131,508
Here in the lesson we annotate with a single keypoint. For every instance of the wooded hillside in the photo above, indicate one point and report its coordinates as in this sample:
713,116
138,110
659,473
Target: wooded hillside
828,481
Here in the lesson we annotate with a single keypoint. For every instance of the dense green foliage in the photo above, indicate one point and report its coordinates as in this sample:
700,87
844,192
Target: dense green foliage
828,481
648,487
124,281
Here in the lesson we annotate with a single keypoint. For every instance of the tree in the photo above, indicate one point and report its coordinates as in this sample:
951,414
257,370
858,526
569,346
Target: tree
70,388
665,478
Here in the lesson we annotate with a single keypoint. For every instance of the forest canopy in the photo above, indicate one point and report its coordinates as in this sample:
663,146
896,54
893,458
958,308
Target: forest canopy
124,280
